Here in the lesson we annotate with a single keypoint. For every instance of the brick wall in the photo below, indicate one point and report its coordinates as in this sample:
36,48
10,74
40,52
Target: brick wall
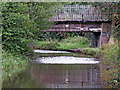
106,32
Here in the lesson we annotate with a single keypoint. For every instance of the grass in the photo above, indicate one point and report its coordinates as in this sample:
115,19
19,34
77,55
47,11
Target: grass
45,45
79,43
12,64
68,43
109,59
110,63
92,51
74,43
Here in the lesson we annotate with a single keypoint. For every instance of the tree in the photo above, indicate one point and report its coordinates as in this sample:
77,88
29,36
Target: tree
40,13
22,22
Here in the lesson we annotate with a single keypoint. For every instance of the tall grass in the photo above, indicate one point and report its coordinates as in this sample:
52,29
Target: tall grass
110,64
68,43
12,63
45,44
74,43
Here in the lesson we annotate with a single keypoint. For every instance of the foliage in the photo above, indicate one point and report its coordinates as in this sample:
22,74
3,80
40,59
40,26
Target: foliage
110,64
91,51
45,44
116,31
40,13
21,23
57,35
74,43
17,27
110,53
68,43
12,63
112,11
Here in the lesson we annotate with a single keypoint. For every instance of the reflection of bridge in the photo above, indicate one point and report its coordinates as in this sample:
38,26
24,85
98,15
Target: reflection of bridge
83,18
66,76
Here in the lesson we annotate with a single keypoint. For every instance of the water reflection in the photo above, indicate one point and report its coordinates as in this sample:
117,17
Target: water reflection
66,76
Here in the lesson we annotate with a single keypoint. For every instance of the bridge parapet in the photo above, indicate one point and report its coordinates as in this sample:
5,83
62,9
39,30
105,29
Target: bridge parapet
79,13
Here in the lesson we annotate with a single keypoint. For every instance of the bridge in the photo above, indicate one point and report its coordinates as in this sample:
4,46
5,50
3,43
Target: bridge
83,18
78,13
75,30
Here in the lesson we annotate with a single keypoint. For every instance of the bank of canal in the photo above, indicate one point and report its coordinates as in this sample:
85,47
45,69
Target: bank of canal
83,74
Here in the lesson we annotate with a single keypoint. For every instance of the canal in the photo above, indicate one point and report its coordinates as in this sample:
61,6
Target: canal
57,69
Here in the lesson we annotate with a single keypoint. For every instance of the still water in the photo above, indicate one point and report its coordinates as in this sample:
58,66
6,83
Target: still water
58,70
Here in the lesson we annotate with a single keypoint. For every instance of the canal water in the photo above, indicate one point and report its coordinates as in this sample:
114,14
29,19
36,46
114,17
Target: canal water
58,69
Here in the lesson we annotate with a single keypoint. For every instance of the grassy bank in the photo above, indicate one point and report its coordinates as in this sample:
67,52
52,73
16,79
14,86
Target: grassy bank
74,43
108,54
82,45
12,64
110,63
68,43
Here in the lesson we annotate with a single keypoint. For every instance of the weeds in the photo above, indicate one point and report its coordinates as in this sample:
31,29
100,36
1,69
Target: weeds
12,64
91,51
110,65
68,43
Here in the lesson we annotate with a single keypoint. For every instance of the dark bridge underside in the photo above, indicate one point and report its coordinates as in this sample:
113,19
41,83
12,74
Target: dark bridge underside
66,30
73,30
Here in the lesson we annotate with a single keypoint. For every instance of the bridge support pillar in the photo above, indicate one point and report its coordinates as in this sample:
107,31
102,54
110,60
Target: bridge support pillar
95,39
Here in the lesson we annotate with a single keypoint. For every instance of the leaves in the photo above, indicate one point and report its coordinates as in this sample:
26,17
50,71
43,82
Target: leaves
22,22
112,11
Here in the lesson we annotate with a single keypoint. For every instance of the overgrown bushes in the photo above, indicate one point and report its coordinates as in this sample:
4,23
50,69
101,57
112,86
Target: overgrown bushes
91,51
57,35
68,43
74,43
21,22
12,63
16,27
110,62
45,44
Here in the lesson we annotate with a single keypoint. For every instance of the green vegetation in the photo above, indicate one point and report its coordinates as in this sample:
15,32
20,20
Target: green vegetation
74,43
13,63
110,54
21,22
82,45
92,51
110,63
17,37
45,44
64,44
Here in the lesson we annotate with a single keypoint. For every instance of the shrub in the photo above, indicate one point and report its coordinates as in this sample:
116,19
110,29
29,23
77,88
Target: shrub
16,27
45,44
12,63
74,43
110,64
92,51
